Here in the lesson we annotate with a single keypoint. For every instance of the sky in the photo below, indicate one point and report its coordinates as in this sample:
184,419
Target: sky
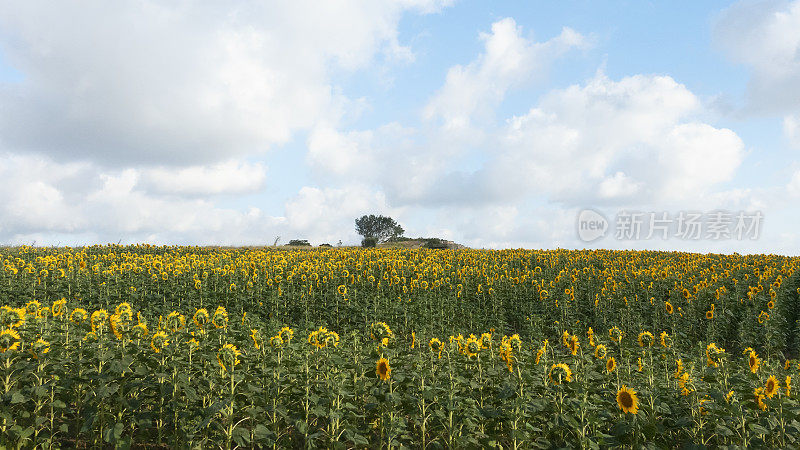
493,124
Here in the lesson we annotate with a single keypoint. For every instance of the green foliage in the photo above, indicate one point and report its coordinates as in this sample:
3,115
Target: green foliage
484,391
379,228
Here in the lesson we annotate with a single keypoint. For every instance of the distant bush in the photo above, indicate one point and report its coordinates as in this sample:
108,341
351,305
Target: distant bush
325,245
299,242
369,242
435,243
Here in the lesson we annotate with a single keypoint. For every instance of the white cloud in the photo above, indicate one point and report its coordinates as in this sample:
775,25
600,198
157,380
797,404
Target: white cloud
765,35
328,214
230,177
183,83
632,138
508,60
791,128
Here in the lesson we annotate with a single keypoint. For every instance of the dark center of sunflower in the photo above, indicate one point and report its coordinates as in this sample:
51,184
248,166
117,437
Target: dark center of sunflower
770,386
752,361
626,399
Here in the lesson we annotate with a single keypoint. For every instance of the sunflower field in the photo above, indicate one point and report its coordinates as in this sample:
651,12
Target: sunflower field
195,347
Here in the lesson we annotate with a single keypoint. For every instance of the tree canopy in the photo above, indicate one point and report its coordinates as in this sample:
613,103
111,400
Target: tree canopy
379,228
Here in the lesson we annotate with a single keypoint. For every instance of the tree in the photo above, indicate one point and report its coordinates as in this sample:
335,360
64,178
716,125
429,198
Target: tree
377,229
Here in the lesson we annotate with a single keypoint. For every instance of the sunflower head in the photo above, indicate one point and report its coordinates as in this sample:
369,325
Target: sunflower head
436,346
645,339
759,394
200,318
159,341
669,308
714,354
665,339
471,347
615,334
574,345
276,341
560,373
286,334
58,307
9,340
174,322
139,330
772,386
753,361
383,370
627,400
600,351
40,347
228,357
380,332
611,364
32,307
256,336
220,317
78,316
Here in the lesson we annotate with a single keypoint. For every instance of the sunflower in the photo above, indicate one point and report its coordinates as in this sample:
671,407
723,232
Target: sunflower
159,341
590,335
140,330
229,355
13,317
380,332
669,308
679,370
58,307
709,314
560,373
788,385
645,339
471,347
753,362
383,370
600,351
713,354
32,307
565,338
627,400
759,394
436,346
539,354
123,307
175,321
200,318
772,386
9,340
639,364
615,334
771,304
220,318
574,345
665,339
286,334
40,347
342,289
611,364
256,336
682,383
98,320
